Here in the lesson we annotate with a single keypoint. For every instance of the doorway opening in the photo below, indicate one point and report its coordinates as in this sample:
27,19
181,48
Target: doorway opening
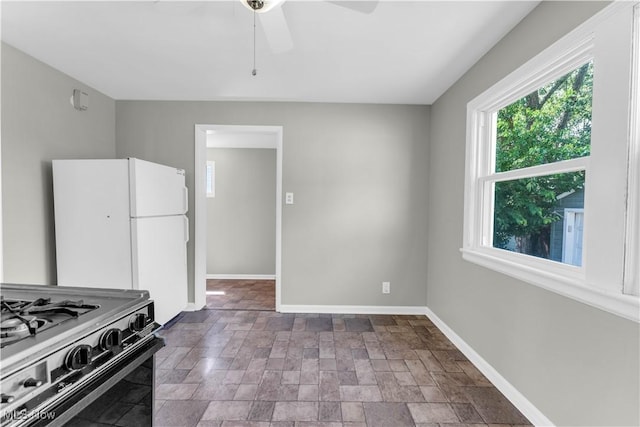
232,137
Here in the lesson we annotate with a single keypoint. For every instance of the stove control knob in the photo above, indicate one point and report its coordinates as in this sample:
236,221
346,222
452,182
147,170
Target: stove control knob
111,339
7,398
32,382
137,322
79,357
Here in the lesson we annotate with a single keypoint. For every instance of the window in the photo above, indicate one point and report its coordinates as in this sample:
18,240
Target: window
552,155
550,126
210,176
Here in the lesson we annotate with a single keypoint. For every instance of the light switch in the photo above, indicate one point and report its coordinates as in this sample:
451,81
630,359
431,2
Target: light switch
288,198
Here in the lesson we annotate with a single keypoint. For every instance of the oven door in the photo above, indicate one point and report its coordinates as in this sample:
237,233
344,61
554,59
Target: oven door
122,395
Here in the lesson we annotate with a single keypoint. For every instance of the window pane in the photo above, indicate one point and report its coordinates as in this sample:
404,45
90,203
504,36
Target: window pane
211,179
548,125
541,216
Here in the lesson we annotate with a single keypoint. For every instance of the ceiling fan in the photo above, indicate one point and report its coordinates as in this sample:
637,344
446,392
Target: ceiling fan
275,24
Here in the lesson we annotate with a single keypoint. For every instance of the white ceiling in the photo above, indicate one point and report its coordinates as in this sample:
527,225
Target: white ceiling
404,52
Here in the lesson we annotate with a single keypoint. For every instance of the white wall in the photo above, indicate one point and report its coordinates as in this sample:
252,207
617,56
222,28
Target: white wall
40,124
575,363
241,218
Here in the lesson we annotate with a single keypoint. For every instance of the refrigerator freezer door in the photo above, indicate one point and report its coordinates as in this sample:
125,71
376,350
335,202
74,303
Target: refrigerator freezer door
160,262
156,190
92,224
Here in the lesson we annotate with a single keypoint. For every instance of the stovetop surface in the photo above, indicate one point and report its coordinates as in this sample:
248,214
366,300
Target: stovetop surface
104,306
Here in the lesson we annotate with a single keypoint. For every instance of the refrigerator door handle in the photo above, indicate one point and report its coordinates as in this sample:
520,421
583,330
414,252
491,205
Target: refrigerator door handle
185,221
185,199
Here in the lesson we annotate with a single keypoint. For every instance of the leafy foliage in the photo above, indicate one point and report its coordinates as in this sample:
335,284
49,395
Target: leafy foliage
548,125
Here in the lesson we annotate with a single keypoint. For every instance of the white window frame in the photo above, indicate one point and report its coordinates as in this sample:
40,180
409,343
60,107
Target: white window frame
632,261
210,177
608,276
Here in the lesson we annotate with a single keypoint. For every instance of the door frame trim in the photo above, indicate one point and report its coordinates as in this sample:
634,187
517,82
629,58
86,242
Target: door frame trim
200,226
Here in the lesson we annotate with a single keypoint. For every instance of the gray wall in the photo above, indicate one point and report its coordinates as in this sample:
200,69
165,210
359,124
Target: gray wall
577,364
241,218
40,124
359,175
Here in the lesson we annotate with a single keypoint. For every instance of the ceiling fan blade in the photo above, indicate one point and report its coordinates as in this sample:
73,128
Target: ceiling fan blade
358,6
276,30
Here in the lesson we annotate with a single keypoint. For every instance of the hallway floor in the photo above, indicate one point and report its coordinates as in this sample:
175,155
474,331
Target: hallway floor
242,368
241,294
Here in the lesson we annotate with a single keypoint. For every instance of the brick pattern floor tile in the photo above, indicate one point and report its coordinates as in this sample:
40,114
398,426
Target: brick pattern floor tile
241,294
249,367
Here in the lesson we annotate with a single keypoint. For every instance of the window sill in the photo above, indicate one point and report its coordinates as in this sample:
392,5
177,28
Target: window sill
627,306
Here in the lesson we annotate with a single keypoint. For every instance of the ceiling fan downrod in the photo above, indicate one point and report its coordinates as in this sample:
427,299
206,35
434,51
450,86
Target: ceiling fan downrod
254,71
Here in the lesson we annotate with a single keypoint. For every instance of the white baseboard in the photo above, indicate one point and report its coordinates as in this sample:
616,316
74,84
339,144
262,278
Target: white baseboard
192,307
352,309
510,392
242,276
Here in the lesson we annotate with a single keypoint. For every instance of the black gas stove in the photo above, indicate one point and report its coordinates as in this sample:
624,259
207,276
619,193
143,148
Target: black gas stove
63,349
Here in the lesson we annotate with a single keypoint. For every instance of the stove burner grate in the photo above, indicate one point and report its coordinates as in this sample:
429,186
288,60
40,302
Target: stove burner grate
21,318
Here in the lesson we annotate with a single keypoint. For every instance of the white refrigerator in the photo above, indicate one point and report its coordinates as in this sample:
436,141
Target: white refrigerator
120,223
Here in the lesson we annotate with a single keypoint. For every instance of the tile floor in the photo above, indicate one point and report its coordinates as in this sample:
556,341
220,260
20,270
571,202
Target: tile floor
242,368
241,294
241,364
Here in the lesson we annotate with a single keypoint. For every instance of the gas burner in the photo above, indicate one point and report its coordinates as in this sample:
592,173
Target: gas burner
19,327
20,319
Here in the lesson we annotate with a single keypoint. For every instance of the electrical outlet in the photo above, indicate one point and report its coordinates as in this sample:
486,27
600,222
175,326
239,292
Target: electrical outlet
386,287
